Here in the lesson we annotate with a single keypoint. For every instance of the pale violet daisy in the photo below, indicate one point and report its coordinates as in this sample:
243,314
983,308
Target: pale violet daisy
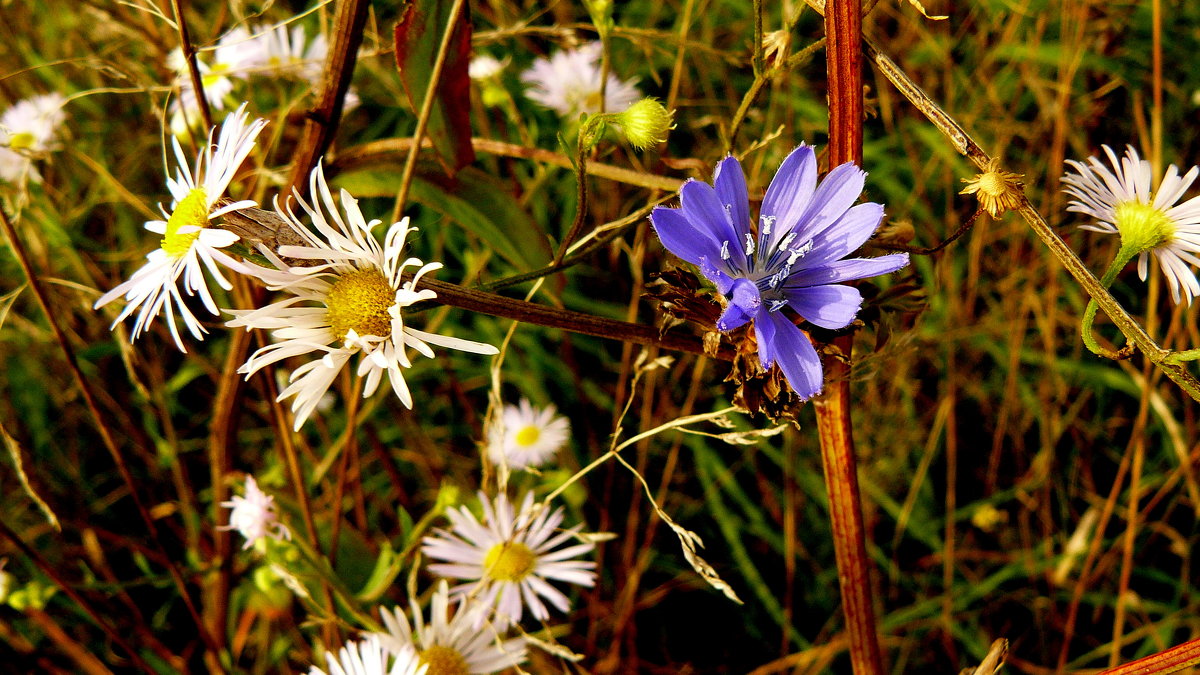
1148,221
369,657
29,130
188,246
569,83
253,515
508,559
451,645
485,66
524,436
348,302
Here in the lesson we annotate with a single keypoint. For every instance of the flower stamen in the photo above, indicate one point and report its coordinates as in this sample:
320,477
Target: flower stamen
509,561
359,301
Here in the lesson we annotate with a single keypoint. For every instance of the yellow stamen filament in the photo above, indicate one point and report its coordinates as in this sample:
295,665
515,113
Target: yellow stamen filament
1142,226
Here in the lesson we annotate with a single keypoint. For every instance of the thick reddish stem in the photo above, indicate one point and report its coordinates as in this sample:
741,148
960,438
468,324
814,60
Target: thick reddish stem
843,28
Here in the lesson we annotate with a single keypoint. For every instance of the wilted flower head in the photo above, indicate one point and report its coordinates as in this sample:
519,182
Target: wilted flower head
569,83
29,129
524,436
804,231
188,246
253,515
508,558
997,190
1148,221
451,645
350,301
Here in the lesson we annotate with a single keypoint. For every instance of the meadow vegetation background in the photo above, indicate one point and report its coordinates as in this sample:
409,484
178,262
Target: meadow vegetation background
1015,485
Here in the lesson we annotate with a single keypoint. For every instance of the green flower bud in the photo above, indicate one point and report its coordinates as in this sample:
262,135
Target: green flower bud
645,123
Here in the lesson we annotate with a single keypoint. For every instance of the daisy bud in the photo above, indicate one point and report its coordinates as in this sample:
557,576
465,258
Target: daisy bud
645,123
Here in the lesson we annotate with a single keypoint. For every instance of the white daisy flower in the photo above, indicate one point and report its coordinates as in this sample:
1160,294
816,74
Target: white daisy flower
485,66
569,83
524,436
348,303
253,515
369,657
1148,221
28,130
188,245
185,108
509,558
272,50
451,646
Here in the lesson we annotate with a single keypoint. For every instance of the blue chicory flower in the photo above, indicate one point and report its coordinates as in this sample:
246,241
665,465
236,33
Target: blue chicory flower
805,229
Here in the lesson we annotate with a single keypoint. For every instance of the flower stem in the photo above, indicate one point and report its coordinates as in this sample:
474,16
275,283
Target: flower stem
843,30
1124,255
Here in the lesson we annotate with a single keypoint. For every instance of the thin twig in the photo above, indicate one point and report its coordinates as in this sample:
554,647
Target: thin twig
323,119
384,150
52,573
106,437
435,76
189,55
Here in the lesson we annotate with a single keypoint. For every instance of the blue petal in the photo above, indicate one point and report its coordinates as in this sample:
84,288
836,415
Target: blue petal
682,237
840,188
845,236
722,281
780,341
846,270
699,202
833,306
789,194
730,184
744,304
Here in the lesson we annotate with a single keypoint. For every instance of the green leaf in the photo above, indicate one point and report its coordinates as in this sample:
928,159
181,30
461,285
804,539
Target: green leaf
478,202
387,568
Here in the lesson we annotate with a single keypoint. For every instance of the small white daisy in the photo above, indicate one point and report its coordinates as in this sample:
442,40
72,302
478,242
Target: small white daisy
509,558
274,50
524,436
188,246
349,302
369,657
451,646
569,83
28,130
1148,221
253,515
485,66
185,108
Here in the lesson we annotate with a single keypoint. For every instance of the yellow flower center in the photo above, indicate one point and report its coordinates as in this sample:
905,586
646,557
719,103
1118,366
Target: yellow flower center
191,211
509,561
359,301
22,141
443,661
1142,226
528,436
